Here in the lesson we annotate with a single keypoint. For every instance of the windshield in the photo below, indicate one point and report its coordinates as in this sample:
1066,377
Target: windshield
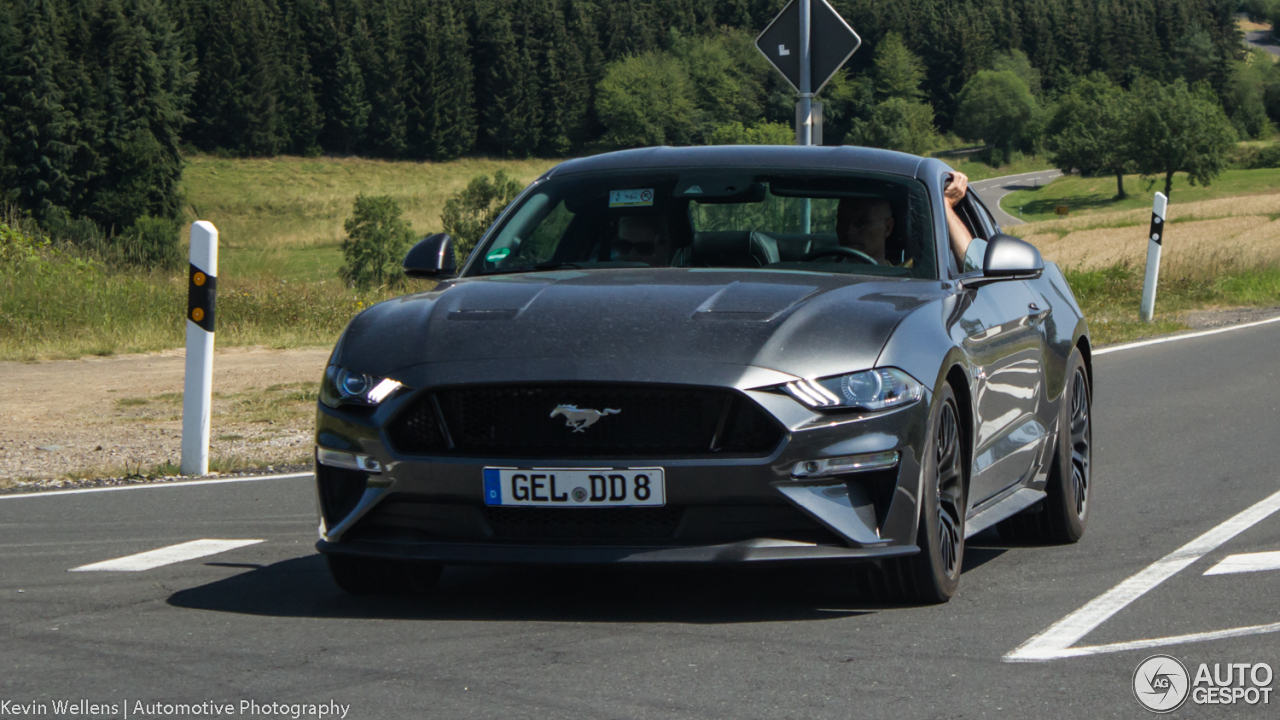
704,218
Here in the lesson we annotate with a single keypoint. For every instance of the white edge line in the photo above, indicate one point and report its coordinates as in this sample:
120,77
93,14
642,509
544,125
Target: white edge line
153,486
1186,336
1055,641
168,555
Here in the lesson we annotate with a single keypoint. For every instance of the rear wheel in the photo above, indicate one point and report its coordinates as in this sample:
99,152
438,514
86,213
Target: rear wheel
1063,515
376,576
932,575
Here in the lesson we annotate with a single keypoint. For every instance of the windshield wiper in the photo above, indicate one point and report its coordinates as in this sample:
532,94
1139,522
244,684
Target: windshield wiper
549,265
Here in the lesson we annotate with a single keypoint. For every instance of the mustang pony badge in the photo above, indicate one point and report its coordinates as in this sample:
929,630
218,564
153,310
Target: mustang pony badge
580,420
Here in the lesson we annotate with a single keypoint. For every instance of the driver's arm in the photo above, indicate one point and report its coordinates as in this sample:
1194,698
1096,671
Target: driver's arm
960,235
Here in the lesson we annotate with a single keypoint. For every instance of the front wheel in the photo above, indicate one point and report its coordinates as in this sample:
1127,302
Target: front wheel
1064,513
932,575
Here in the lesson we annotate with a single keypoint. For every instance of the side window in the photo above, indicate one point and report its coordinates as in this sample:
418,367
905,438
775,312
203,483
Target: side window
972,213
984,217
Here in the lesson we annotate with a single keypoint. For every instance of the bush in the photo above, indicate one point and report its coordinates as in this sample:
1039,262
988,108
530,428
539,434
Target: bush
646,100
152,242
473,209
377,240
764,133
1267,157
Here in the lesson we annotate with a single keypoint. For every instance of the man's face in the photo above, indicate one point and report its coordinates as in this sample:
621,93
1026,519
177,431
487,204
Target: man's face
643,239
865,226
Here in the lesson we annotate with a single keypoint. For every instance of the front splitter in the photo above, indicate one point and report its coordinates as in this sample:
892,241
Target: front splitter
749,551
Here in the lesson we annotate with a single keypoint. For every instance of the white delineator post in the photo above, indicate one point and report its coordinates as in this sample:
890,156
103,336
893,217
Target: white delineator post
1154,243
202,283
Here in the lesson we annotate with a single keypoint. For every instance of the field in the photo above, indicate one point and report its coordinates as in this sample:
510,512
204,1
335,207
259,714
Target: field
1097,194
282,217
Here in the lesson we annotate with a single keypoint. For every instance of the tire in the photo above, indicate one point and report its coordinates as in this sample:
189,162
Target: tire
1062,517
374,576
932,575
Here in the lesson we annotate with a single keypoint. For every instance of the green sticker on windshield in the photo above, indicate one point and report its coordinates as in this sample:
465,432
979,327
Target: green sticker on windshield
498,254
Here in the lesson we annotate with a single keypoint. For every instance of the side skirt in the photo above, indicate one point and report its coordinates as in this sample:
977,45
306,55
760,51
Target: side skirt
1010,505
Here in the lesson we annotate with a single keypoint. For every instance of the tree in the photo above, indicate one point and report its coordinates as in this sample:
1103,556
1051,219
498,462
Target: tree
148,86
473,209
646,100
40,128
998,108
898,72
1179,128
511,112
897,124
377,240
1087,129
350,116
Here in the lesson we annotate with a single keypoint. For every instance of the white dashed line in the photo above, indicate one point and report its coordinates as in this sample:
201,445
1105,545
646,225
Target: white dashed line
1246,562
1057,641
165,556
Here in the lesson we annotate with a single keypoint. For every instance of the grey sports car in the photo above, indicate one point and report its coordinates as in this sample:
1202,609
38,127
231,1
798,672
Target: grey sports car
712,355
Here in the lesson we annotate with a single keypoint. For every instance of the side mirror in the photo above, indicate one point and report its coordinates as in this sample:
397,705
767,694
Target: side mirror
1010,258
431,258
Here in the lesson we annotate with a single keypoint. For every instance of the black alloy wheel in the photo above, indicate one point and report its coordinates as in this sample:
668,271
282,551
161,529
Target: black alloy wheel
1061,518
932,575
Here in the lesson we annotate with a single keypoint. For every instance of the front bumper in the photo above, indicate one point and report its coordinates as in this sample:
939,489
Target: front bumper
726,510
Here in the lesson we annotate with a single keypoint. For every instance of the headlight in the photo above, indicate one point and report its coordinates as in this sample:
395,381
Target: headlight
342,386
878,389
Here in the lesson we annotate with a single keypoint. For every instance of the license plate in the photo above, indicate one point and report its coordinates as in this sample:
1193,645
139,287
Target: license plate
574,487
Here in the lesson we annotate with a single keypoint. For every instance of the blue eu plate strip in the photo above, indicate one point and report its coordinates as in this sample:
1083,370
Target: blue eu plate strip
492,487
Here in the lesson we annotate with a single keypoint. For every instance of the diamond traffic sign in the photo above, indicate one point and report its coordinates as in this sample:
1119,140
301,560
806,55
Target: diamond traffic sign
831,42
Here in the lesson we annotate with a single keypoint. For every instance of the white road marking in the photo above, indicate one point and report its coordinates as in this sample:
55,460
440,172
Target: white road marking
165,556
153,486
1056,642
1187,336
1246,562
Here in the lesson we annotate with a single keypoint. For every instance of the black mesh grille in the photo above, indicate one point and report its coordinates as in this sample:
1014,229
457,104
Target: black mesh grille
340,491
584,524
651,421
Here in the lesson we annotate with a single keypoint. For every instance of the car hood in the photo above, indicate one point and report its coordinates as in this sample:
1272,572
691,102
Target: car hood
797,323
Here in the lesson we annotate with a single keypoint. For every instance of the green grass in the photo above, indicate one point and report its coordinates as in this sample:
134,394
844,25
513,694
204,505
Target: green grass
1098,194
56,306
281,218
1111,297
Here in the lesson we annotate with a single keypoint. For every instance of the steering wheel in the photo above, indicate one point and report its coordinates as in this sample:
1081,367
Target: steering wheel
841,250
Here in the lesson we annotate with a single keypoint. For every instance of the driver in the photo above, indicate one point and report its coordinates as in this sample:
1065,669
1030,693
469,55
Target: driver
647,239
865,223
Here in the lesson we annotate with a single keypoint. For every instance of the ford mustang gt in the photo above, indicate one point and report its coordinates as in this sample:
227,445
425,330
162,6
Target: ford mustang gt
712,355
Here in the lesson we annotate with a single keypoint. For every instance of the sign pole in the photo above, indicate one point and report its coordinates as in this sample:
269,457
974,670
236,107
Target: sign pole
1155,241
202,283
804,119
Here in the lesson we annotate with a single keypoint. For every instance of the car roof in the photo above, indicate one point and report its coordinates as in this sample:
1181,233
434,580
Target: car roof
789,157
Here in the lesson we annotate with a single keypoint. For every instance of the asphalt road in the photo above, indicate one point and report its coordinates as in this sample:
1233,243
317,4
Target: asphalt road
1184,433
992,190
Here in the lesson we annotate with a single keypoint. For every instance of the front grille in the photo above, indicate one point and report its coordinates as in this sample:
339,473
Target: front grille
652,421
583,524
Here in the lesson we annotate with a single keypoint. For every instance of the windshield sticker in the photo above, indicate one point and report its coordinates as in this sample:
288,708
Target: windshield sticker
498,254
631,198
